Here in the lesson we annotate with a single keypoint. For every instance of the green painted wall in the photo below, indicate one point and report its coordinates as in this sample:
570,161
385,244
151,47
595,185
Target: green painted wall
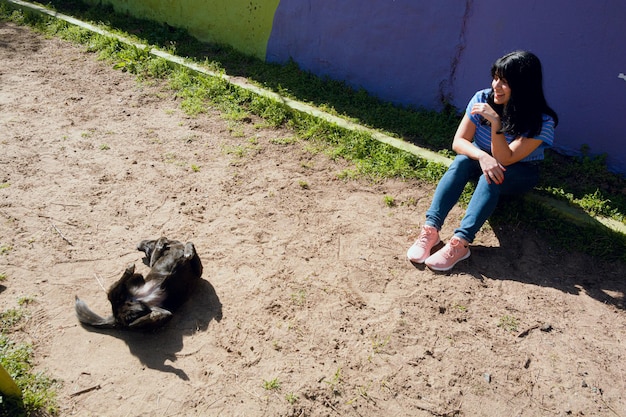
244,24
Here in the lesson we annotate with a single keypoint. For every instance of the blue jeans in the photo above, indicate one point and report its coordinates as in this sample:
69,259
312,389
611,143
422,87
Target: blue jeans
518,179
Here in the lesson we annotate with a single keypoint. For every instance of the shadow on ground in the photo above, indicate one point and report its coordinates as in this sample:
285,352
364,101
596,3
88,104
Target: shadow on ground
523,259
154,349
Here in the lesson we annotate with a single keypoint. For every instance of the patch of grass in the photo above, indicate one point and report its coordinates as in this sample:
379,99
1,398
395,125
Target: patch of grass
460,308
38,390
239,151
335,382
4,185
5,249
291,398
3,277
304,185
24,301
284,141
104,147
9,319
361,392
389,201
195,168
272,384
583,181
299,297
508,323
378,344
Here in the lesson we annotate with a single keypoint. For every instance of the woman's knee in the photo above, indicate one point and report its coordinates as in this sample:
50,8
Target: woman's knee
463,164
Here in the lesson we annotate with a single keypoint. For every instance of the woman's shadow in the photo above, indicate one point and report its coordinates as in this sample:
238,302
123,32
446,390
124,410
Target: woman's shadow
153,349
526,256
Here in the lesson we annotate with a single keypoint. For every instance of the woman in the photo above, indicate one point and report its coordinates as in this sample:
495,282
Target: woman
499,142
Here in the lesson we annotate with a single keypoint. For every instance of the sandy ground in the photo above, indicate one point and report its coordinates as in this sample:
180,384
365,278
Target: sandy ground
305,278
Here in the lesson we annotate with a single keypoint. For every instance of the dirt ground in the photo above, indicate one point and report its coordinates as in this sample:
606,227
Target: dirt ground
308,306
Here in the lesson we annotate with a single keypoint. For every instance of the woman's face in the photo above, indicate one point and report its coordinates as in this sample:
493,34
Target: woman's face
501,90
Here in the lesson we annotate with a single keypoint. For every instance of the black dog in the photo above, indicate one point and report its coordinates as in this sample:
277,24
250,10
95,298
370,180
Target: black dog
139,303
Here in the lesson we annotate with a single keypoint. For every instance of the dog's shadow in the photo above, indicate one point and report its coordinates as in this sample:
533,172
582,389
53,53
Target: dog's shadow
155,348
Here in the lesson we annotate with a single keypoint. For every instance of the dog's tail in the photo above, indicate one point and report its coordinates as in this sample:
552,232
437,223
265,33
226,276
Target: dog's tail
88,317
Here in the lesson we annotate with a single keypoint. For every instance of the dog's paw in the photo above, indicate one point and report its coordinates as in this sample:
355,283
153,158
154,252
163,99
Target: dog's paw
156,318
190,251
130,269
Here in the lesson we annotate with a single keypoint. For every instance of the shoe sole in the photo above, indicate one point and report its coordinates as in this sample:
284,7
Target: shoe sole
434,268
417,261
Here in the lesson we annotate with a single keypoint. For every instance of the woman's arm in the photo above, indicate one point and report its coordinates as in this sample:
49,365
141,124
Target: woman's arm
505,153
510,153
462,144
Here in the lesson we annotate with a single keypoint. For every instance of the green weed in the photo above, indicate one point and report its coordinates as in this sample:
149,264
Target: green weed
38,390
378,344
291,398
389,201
272,385
299,297
284,141
508,323
335,382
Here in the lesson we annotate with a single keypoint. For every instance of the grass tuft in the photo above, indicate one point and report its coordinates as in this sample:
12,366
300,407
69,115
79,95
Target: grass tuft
38,390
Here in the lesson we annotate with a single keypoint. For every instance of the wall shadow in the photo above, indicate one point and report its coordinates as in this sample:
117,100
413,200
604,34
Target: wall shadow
155,348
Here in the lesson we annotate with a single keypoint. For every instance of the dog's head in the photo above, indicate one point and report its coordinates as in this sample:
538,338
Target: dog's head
167,256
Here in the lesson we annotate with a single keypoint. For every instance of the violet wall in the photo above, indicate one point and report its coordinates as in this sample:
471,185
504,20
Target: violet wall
421,53
426,52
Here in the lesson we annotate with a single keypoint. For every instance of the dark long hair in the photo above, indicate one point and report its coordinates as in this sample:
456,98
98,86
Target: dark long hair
523,113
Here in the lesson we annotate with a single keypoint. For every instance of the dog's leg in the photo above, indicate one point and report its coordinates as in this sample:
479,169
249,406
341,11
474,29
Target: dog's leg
157,317
159,247
129,271
190,250
190,254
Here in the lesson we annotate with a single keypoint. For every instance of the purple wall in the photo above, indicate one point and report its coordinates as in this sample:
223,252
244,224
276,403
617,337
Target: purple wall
399,50
417,52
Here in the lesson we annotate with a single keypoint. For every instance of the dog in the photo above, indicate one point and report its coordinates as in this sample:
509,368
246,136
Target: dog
148,303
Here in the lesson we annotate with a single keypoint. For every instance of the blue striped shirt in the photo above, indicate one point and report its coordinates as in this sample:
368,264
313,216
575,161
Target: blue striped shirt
482,137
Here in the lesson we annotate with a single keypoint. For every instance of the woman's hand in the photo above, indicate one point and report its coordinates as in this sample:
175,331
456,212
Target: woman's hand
486,111
492,169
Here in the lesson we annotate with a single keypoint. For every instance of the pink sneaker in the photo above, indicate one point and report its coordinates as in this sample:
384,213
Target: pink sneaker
428,237
445,258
